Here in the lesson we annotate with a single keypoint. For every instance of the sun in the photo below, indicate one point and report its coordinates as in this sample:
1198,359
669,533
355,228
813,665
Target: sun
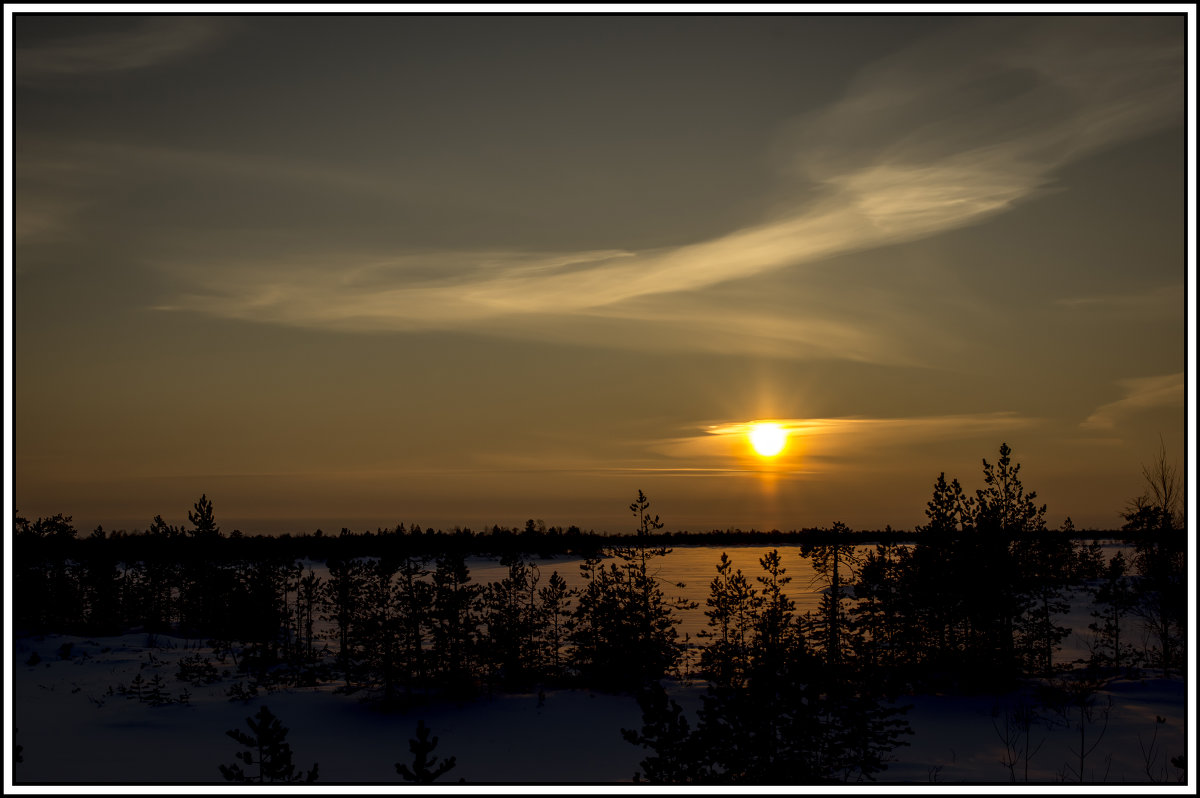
767,439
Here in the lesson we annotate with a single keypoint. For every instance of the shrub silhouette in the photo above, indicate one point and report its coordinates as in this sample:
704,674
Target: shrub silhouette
424,769
267,750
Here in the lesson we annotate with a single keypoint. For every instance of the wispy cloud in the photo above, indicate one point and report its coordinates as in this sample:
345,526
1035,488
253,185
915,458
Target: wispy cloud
842,435
815,445
913,149
1163,300
1142,393
152,41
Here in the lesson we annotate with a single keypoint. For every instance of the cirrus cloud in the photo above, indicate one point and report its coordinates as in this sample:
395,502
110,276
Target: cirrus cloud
912,150
1143,393
153,41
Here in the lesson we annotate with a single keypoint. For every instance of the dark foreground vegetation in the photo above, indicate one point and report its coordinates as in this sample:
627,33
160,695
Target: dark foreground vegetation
970,603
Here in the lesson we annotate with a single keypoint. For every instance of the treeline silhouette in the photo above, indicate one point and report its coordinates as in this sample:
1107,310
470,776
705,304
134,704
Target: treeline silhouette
973,602
57,537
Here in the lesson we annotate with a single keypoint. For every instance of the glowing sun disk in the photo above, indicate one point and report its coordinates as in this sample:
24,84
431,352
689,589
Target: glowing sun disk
768,439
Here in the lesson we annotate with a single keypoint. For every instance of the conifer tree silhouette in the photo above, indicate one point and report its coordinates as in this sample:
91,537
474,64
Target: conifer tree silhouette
676,756
555,601
203,520
828,563
1113,597
732,608
1158,518
454,620
625,626
267,750
424,769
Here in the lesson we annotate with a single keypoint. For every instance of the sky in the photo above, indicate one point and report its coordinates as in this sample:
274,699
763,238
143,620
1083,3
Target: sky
464,270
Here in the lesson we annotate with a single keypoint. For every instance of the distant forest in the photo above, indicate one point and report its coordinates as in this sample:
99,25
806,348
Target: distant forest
969,600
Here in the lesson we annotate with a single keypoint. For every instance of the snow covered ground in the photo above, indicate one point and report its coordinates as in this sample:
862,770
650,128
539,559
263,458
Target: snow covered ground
74,730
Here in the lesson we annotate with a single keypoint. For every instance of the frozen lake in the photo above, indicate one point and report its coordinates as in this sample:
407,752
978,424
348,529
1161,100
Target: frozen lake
695,566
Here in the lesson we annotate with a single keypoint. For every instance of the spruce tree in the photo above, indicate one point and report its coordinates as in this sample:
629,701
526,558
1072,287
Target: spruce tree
425,769
267,750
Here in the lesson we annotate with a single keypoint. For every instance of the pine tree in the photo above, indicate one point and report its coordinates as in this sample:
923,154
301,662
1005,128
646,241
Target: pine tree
1113,598
343,597
425,770
833,565
1089,561
308,594
591,619
413,597
154,604
1002,506
1008,526
1044,567
201,599
732,604
555,600
100,586
46,579
949,511
204,524
625,633
511,623
1032,563
939,578
267,750
859,731
137,687
665,731
876,617
774,628
381,631
154,693
1160,559
261,613
793,719
454,618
